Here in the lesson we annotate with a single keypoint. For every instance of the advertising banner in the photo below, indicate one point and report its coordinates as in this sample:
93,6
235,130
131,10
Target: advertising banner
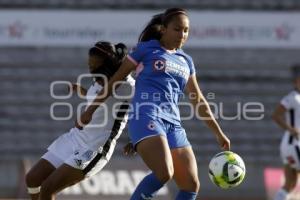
274,179
207,28
117,181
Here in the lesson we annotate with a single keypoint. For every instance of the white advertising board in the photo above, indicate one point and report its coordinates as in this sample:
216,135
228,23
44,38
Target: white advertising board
208,28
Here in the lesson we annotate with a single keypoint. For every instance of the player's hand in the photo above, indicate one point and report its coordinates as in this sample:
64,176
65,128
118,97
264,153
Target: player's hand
223,141
294,132
128,149
84,119
77,89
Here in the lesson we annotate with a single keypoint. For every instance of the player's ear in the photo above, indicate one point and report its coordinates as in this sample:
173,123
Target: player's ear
163,29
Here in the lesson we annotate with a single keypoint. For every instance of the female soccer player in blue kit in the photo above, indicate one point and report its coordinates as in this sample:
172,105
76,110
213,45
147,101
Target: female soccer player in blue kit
163,72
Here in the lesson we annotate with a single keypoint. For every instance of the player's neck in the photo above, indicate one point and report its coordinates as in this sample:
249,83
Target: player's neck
167,46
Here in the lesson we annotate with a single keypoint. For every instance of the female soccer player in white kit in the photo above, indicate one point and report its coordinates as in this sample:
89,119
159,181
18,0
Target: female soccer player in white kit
78,154
287,116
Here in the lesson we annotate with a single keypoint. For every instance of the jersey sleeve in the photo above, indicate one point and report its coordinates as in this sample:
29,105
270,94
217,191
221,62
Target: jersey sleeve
288,101
126,90
191,65
192,68
137,53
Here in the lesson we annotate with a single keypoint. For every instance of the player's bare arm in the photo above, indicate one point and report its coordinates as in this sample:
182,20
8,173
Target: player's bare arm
199,102
278,117
125,69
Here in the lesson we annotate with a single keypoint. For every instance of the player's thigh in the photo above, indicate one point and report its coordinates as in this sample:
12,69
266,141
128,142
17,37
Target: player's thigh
156,154
61,178
185,168
39,172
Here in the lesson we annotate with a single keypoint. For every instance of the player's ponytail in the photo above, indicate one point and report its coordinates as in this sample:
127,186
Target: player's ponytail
112,54
153,28
295,71
121,51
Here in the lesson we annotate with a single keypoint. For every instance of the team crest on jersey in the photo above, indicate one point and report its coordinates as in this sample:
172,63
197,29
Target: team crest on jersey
151,125
159,65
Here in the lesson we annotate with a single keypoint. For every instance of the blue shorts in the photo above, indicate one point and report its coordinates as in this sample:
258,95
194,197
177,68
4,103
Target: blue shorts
143,126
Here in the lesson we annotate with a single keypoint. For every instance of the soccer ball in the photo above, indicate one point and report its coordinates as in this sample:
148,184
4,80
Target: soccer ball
227,169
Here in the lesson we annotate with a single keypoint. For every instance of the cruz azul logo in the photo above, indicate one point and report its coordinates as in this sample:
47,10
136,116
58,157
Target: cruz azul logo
172,67
159,65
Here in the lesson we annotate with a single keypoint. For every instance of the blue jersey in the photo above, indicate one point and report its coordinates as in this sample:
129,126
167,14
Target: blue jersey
161,79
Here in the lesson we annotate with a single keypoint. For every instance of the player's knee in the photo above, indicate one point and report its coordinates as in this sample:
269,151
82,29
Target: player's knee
190,184
46,190
28,179
31,179
33,185
292,185
165,173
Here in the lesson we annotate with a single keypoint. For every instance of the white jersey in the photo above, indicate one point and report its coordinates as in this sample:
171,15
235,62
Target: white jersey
91,148
290,146
105,120
292,104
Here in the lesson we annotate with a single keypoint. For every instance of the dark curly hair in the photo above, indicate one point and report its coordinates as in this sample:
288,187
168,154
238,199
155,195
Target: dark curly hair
112,54
295,71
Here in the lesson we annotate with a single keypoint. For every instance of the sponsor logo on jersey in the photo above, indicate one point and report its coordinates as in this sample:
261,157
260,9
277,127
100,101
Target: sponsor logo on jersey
182,59
172,67
179,70
78,162
88,154
156,51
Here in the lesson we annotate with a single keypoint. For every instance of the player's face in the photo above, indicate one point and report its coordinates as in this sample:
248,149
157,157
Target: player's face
177,31
297,83
95,62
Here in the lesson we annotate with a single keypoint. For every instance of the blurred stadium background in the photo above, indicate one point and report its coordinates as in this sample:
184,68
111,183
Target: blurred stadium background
242,50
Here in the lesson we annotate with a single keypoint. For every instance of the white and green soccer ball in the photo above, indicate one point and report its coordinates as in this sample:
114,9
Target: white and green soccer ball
227,169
